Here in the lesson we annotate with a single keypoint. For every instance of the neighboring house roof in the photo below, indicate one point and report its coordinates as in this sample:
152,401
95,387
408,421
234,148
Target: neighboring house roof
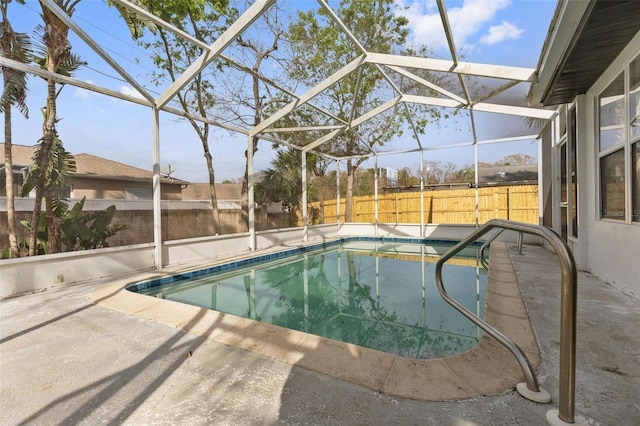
224,191
21,155
525,173
90,166
583,39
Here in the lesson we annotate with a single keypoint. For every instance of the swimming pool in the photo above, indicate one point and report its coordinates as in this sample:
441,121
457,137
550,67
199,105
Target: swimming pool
486,369
372,292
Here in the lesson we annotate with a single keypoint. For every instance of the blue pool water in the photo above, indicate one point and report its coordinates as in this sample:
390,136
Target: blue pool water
377,294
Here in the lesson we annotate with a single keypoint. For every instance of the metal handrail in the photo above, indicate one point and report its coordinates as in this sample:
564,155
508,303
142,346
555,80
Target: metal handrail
491,239
568,305
485,245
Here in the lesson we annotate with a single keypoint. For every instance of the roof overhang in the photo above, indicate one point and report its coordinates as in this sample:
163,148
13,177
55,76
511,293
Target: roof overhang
583,39
163,179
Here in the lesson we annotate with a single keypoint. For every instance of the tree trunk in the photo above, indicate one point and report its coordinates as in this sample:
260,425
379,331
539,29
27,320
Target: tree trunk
245,185
212,192
349,195
8,169
48,130
53,242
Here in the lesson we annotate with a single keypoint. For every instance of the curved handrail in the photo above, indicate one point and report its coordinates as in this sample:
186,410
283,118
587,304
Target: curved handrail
490,240
567,314
485,245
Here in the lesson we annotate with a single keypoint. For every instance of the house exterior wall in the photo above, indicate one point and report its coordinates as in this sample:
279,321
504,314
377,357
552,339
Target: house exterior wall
609,249
545,180
115,189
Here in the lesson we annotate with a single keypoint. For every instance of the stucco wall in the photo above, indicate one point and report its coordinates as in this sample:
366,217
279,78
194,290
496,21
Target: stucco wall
612,246
180,219
115,189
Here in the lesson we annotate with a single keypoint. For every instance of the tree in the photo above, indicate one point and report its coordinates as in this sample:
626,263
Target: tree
406,177
60,165
172,55
56,58
320,49
16,46
516,160
282,182
435,172
244,104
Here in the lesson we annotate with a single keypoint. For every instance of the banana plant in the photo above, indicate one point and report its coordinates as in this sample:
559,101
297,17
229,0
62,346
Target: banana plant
86,231
78,230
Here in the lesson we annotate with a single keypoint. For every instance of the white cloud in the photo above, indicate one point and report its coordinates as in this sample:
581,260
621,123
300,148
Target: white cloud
126,90
466,21
500,33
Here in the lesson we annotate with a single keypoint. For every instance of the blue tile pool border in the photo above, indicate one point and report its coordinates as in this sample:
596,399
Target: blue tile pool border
229,266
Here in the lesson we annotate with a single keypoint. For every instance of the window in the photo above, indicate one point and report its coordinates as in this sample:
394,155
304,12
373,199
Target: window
635,171
619,155
634,124
612,185
138,194
566,154
18,180
66,191
612,115
572,141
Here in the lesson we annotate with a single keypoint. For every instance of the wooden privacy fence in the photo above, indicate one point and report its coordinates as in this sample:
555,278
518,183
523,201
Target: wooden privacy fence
455,206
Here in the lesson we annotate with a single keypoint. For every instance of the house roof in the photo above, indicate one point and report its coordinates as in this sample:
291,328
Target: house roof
522,173
20,155
89,166
583,39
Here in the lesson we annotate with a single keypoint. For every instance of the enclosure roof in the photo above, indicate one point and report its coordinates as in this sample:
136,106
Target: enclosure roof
473,88
584,38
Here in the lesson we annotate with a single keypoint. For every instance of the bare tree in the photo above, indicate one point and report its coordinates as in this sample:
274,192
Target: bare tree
173,54
246,101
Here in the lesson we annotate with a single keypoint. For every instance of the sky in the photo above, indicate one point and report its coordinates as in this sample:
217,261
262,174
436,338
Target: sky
501,32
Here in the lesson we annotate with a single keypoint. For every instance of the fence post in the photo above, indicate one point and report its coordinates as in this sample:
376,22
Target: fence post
396,206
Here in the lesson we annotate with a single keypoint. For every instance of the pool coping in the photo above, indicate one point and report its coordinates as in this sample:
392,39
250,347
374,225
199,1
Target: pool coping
486,369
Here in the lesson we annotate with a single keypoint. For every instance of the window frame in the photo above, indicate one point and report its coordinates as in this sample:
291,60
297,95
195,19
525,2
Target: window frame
626,146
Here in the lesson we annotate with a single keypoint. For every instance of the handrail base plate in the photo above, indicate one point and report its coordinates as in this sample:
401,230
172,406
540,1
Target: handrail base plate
542,396
554,420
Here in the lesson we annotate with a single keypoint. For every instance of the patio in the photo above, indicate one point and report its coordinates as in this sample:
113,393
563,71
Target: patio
65,360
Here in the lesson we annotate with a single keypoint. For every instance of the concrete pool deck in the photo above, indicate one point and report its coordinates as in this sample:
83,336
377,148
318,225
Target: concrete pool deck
67,360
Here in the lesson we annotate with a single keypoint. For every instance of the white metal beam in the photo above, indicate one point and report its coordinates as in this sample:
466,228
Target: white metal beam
305,215
188,37
341,24
62,15
334,78
447,30
471,68
376,111
301,129
214,51
323,139
19,66
484,107
427,83
157,191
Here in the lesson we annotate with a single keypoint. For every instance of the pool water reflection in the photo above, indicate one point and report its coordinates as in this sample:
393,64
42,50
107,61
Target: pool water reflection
378,295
